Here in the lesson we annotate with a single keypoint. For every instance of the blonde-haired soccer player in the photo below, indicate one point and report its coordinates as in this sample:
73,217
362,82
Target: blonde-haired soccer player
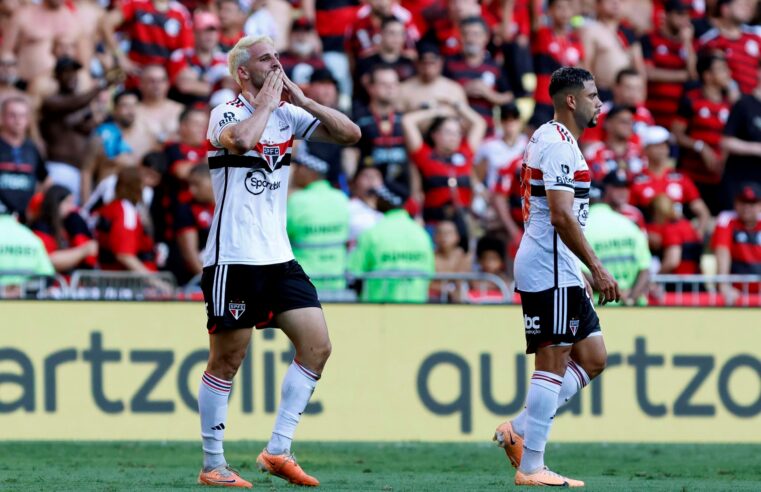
250,277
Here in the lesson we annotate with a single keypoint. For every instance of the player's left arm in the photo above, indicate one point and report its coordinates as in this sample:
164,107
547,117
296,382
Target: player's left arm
335,127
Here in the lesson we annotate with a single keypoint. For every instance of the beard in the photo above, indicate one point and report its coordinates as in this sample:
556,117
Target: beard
593,121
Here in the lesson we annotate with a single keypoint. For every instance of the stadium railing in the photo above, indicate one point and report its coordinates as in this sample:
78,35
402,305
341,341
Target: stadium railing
122,286
704,290
25,284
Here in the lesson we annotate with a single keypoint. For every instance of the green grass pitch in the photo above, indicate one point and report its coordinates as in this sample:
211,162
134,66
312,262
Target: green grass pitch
26,466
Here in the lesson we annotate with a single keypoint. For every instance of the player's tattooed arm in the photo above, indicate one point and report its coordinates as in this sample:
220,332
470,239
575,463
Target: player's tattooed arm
567,227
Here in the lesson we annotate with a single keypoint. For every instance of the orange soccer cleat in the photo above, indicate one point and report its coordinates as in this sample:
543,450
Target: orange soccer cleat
511,442
223,476
545,477
284,466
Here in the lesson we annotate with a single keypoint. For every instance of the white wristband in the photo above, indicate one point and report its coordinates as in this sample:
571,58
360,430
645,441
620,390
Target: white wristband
698,146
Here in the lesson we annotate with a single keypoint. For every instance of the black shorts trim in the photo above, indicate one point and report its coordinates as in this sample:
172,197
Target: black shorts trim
557,316
247,296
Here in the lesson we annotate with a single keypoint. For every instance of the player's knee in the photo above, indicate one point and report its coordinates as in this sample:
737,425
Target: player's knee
597,364
226,365
322,353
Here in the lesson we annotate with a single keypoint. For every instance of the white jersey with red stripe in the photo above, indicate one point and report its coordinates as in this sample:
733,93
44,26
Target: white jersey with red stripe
251,190
552,161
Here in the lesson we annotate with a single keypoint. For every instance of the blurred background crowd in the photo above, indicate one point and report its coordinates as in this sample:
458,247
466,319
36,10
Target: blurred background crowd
104,111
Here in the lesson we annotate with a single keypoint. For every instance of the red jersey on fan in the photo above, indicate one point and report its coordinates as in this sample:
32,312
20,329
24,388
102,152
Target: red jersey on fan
120,231
705,120
634,214
520,24
155,34
663,97
446,180
508,186
227,43
445,31
215,71
742,54
552,51
602,160
332,18
744,244
675,185
363,34
681,233
642,118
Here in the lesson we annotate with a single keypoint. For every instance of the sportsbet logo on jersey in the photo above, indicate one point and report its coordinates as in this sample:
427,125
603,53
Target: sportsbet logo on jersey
257,182
434,373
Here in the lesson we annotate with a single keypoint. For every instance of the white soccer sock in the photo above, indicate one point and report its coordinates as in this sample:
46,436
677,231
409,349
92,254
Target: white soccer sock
541,404
574,380
212,406
298,385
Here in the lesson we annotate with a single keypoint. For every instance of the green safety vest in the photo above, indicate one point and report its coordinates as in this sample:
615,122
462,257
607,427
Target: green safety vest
21,251
618,242
395,244
318,228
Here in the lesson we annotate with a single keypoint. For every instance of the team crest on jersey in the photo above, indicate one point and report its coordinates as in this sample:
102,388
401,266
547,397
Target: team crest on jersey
573,325
237,309
271,154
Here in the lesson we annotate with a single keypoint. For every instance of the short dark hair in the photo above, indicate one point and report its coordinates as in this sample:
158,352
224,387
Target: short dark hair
474,20
491,243
550,3
626,72
124,93
379,67
616,110
705,62
390,19
509,111
436,124
188,110
568,78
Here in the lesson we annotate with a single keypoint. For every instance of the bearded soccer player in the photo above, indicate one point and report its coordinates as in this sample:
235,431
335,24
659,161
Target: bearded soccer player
250,278
562,328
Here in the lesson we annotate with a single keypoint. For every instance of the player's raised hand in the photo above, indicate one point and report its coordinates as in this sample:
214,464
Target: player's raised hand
607,286
295,95
269,95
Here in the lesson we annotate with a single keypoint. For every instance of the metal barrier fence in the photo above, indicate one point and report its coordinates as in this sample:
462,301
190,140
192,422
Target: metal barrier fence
464,288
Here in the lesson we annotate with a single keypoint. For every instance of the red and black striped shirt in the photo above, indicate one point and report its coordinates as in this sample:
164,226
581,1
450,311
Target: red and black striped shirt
665,53
743,243
446,180
458,69
154,34
332,18
742,54
550,52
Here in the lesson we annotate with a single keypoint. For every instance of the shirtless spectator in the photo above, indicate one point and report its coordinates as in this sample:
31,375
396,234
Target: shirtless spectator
698,125
364,33
618,151
135,133
155,28
197,72
31,34
629,91
270,18
90,15
10,85
22,170
429,88
610,47
66,126
555,45
740,43
476,71
159,113
670,61
231,19
390,52
449,257
302,57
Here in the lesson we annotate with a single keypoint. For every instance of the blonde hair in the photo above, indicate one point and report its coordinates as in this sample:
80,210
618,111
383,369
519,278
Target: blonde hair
240,53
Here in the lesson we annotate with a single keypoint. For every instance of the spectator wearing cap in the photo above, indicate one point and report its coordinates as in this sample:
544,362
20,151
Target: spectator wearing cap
390,52
192,223
22,170
429,87
673,239
698,126
737,240
22,253
67,239
396,245
619,243
660,177
616,193
318,222
382,142
475,70
740,43
610,46
669,60
742,139
231,20
29,37
323,88
363,206
444,159
155,28
628,91
557,44
67,126
302,57
195,73
363,35
619,150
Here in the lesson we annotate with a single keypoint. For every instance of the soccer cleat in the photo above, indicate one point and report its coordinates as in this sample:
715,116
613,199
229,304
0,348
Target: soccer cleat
510,441
545,477
223,476
284,466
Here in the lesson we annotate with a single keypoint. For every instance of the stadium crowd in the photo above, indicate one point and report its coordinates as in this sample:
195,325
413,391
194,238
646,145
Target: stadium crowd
104,112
